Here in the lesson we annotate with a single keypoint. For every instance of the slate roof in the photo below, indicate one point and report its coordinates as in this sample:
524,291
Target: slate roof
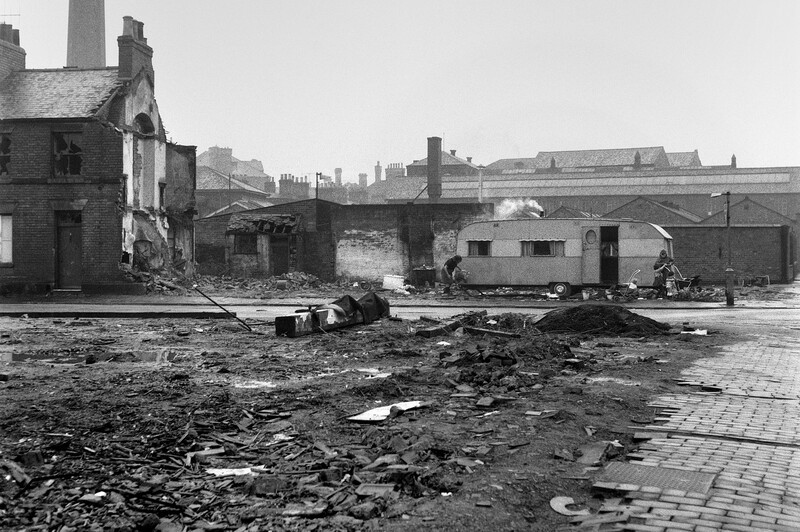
447,160
210,179
684,158
262,223
509,166
56,93
568,212
592,158
638,203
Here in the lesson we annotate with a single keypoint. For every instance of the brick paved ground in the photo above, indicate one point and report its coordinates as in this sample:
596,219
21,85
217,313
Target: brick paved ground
747,435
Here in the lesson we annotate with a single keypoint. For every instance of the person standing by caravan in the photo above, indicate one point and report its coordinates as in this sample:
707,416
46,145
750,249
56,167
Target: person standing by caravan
449,271
662,269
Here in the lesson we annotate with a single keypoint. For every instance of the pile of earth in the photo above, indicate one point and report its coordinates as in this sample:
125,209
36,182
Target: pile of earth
604,319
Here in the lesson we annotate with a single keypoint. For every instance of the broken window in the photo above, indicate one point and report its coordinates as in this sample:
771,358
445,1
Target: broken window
479,248
542,248
245,244
5,153
5,239
67,153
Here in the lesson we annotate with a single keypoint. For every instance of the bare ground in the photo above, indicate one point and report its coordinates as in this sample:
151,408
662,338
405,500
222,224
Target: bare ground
118,424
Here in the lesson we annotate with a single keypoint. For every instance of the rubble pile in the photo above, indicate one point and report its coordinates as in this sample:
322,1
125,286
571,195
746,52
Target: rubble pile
353,429
253,286
156,281
601,319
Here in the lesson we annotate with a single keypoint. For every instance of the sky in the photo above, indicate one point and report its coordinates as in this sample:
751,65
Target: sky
308,86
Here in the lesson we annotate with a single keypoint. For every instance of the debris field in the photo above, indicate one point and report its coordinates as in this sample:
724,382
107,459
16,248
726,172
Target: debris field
476,422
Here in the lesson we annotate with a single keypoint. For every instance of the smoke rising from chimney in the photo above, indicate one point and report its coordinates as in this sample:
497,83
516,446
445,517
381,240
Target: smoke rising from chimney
518,208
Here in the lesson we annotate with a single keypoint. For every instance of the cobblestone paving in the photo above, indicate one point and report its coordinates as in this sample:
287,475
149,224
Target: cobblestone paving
747,435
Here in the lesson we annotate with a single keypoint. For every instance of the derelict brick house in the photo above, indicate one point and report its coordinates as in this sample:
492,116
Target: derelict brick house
88,179
331,240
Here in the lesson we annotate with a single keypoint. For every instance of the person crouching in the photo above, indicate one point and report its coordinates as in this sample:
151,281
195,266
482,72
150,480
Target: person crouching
450,271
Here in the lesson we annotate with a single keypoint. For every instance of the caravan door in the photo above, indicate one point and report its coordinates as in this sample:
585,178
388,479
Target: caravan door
590,261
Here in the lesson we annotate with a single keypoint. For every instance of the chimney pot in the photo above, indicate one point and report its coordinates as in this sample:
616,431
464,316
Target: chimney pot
469,159
453,153
127,25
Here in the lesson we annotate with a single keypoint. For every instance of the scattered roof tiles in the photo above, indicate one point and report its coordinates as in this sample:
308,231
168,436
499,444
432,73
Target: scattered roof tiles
62,93
242,223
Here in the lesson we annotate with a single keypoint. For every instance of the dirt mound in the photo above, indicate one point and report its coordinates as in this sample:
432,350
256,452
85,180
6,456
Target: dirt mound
602,319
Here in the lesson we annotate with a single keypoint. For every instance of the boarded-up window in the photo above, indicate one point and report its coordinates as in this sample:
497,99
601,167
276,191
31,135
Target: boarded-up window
67,153
542,248
5,239
245,244
479,248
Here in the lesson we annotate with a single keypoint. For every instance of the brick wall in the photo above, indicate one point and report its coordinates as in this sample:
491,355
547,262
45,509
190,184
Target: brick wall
35,196
702,250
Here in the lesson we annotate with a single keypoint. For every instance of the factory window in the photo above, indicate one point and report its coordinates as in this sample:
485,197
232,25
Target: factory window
67,153
479,248
542,248
5,153
245,244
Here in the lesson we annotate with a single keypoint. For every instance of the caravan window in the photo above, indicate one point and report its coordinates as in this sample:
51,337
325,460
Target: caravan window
479,248
542,248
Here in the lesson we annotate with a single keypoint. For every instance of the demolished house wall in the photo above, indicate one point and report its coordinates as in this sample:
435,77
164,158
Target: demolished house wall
355,241
377,240
180,205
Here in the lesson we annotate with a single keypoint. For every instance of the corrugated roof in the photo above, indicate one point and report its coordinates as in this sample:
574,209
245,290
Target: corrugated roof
210,179
609,157
262,223
63,93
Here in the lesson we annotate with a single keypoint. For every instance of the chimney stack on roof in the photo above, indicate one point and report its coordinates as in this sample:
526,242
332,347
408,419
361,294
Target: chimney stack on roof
134,54
86,34
434,168
453,153
12,57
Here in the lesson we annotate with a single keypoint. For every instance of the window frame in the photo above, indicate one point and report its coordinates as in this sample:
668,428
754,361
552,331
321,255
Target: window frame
479,244
6,244
73,160
5,157
245,246
555,248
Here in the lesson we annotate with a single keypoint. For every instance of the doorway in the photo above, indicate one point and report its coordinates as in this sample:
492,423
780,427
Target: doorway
609,255
69,249
278,254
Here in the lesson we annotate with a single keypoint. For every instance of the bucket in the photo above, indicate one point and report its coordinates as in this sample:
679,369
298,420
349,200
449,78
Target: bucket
392,282
586,294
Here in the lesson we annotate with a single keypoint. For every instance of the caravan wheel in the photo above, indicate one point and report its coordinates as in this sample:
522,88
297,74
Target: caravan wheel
561,289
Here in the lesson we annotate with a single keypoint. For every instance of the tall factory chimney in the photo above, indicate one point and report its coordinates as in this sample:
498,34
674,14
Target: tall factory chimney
434,168
86,34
